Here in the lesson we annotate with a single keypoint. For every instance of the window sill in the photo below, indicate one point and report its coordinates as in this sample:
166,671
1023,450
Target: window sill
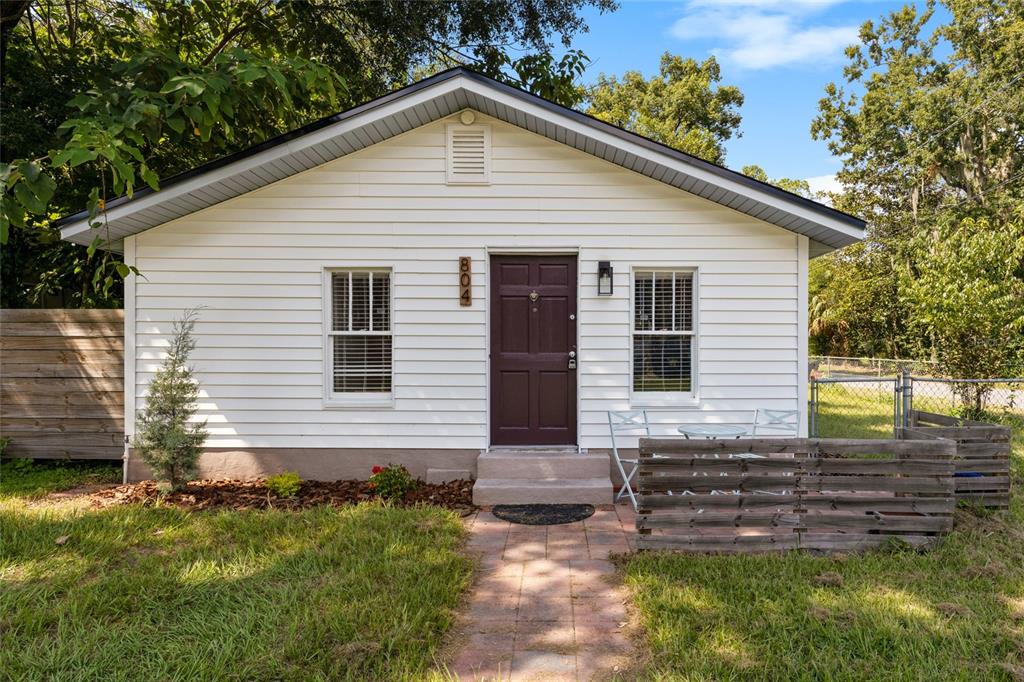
679,401
360,402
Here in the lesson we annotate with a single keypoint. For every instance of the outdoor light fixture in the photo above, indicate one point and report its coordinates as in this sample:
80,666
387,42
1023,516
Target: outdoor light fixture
604,278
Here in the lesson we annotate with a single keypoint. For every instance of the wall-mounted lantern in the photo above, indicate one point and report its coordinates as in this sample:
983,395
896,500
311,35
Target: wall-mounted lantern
604,278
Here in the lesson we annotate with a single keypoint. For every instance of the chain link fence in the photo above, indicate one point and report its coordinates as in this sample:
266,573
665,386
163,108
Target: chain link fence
872,406
833,366
993,400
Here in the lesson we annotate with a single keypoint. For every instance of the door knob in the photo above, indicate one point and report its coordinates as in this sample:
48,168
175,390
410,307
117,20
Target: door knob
572,359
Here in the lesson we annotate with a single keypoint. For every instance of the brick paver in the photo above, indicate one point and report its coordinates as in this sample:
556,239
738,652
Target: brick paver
546,605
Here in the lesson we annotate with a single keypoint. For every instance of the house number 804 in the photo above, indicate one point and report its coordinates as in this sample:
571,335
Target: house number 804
465,281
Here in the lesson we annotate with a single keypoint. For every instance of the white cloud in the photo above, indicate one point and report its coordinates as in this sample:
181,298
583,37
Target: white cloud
825,183
762,34
768,4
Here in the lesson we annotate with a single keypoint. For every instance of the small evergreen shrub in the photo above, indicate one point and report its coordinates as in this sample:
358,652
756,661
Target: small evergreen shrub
284,485
391,482
165,438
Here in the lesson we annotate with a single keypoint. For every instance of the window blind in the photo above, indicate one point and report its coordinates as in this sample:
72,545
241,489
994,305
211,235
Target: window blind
663,331
360,334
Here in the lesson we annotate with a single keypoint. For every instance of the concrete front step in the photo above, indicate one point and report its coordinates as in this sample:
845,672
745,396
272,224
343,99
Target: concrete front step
540,464
491,491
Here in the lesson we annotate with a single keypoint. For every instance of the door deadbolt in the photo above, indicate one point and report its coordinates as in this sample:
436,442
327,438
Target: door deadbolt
572,359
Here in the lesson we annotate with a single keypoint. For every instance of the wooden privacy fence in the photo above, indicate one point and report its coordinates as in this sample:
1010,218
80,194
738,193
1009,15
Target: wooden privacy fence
772,494
982,455
62,383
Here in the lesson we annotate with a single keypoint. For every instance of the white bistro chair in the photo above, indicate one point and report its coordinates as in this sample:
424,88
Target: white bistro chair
776,423
636,422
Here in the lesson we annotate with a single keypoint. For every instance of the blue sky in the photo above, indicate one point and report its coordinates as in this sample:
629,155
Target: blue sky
781,54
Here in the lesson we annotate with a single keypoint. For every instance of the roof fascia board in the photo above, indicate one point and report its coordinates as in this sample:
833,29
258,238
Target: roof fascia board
696,172
274,153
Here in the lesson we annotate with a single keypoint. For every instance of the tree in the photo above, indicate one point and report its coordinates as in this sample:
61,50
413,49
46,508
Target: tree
684,106
161,86
800,187
930,128
970,295
166,438
154,101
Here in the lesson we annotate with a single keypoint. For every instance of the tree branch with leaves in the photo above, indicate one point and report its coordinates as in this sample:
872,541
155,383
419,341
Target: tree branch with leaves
153,100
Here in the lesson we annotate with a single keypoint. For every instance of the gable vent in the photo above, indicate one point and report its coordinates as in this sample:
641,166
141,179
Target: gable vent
469,154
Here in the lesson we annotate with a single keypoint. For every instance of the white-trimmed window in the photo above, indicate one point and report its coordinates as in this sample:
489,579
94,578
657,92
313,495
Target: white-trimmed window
663,333
358,347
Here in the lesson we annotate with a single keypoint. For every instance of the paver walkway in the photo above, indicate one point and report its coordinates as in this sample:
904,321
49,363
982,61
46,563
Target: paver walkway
545,605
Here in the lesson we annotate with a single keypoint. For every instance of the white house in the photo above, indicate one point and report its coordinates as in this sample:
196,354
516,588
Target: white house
416,281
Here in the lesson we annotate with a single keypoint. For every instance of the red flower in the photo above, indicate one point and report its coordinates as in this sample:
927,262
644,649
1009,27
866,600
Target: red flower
377,469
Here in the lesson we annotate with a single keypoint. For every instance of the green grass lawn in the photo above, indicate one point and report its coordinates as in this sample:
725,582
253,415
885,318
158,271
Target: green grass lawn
364,592
956,613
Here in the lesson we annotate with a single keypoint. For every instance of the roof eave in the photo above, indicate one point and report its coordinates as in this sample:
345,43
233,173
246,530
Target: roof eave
837,229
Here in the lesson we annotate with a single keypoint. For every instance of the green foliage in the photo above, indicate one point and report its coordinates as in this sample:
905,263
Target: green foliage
392,482
801,187
285,484
25,478
539,73
969,292
166,439
930,127
4,442
153,99
857,306
683,106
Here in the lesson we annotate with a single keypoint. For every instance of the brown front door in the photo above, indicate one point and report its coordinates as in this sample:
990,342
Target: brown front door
533,338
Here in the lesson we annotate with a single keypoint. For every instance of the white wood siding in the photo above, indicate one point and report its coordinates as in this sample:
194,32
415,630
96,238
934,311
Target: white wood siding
255,263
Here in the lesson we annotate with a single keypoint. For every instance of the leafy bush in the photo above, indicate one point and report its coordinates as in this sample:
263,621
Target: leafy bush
284,485
20,465
3,445
392,482
166,440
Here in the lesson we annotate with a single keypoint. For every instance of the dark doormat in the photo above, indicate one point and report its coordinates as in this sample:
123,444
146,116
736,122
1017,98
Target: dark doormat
543,514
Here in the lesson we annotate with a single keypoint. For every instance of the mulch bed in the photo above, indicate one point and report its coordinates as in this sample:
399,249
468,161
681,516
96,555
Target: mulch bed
456,495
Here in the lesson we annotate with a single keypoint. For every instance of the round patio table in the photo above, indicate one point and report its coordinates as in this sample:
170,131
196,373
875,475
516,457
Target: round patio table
712,431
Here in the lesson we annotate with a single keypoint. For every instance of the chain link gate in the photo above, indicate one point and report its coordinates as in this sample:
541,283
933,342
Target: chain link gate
859,407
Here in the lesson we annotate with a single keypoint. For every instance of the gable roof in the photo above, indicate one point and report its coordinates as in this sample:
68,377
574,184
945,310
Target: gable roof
440,96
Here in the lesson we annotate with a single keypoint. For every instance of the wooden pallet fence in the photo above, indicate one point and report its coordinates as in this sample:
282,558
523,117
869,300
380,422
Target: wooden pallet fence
62,383
776,494
982,456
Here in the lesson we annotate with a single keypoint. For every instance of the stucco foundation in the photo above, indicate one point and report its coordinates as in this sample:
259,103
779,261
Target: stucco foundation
316,464
328,464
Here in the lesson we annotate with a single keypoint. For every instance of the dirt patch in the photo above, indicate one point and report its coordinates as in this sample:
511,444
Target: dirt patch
992,569
457,495
829,579
77,497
